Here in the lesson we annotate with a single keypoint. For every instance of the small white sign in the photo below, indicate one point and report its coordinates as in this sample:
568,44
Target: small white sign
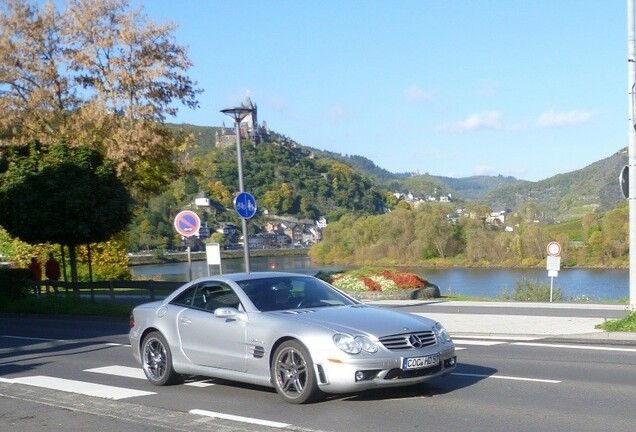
553,263
553,273
213,253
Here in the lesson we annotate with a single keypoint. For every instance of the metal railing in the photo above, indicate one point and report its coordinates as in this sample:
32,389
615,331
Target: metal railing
113,290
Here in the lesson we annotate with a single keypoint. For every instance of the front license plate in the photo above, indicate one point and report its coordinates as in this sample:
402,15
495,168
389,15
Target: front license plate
420,362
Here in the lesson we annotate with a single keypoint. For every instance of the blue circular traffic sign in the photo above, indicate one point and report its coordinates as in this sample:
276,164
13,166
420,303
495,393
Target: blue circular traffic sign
187,223
245,205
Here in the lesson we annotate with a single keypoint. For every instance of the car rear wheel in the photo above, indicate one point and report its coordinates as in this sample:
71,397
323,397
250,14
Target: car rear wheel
156,360
293,373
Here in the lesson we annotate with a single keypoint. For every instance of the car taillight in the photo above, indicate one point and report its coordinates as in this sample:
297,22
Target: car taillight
131,321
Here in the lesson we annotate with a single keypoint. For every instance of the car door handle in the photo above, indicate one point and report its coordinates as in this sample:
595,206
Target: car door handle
185,320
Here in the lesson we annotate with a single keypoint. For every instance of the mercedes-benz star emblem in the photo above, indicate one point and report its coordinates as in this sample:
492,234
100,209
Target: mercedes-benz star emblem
415,341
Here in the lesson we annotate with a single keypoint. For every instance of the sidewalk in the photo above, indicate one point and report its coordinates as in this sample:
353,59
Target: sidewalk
538,320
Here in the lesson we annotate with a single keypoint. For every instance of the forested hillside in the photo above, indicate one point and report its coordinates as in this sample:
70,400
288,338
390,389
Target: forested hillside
592,189
562,197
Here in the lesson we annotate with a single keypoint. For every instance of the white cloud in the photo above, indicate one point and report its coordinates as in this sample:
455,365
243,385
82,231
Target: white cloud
555,119
487,120
415,94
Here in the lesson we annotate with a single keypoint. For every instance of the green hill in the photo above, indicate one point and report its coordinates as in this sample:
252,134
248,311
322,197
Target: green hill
562,197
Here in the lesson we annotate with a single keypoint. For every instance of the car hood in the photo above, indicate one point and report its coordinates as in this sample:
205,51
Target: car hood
360,319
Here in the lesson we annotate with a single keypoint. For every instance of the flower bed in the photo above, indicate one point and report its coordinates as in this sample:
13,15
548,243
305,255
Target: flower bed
370,283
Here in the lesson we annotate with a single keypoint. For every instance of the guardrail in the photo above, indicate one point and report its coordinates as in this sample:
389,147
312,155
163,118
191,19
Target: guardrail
113,289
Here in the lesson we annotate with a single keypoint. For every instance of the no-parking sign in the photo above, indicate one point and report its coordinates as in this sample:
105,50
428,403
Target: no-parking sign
187,223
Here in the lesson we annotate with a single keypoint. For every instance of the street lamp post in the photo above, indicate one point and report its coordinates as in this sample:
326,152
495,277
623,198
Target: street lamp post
238,114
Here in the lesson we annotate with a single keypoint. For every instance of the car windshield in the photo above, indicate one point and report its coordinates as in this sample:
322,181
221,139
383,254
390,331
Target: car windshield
291,292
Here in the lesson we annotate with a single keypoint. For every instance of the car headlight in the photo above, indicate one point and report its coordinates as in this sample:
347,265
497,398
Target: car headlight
441,333
354,345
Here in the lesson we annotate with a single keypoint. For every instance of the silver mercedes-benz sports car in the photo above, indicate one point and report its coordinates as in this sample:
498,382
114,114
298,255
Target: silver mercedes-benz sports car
292,332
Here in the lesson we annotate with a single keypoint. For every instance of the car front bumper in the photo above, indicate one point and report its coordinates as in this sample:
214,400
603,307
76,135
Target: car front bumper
344,376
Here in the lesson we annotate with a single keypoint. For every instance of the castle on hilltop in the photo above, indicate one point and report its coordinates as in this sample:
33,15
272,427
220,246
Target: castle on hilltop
249,129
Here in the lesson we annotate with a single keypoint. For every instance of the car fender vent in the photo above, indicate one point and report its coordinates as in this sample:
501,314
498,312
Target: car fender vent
258,352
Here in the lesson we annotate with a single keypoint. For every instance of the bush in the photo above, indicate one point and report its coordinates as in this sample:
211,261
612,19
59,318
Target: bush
626,324
533,290
13,283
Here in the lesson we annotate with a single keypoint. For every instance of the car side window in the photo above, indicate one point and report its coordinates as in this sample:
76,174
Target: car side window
210,296
185,298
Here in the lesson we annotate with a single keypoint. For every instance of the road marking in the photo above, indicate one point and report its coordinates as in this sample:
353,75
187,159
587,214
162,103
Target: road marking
138,373
123,371
502,338
478,342
200,384
580,347
80,387
508,378
240,418
32,338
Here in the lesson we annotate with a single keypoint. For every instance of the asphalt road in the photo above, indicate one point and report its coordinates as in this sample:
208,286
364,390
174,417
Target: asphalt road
514,383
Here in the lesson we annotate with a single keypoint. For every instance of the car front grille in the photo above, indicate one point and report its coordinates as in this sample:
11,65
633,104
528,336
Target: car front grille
409,341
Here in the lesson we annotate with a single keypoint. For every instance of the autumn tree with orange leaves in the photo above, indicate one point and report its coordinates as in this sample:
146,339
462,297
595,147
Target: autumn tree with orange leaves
97,73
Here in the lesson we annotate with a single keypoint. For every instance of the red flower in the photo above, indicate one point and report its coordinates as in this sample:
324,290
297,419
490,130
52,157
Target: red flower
371,284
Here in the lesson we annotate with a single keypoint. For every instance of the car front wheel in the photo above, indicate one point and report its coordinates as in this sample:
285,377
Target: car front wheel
293,374
156,360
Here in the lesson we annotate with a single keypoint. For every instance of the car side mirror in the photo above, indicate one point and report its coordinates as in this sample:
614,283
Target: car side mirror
230,313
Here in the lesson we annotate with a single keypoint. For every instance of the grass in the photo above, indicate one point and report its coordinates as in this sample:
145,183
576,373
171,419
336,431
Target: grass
627,324
532,290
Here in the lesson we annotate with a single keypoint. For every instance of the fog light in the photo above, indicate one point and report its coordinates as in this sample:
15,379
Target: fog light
367,375
450,362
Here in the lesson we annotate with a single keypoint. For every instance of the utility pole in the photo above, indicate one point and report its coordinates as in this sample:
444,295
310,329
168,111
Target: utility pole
631,150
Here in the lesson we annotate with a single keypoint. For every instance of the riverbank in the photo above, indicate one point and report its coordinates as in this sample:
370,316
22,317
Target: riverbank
178,257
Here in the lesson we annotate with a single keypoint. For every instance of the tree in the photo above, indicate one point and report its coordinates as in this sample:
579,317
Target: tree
97,74
77,201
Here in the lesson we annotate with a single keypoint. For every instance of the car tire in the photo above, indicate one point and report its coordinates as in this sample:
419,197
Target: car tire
293,374
156,360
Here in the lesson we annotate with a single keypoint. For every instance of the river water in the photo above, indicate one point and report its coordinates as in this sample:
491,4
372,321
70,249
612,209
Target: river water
577,284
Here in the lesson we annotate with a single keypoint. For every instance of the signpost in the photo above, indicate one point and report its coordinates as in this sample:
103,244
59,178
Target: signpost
553,263
213,256
187,223
245,205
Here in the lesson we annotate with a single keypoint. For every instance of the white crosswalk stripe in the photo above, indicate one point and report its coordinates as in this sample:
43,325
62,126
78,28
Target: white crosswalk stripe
477,342
138,373
80,387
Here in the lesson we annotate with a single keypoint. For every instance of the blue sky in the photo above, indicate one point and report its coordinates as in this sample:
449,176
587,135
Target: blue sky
456,88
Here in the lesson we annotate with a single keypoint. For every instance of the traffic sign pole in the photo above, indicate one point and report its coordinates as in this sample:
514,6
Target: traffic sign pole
553,263
187,223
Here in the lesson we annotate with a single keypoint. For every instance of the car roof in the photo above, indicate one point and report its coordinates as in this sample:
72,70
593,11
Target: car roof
234,277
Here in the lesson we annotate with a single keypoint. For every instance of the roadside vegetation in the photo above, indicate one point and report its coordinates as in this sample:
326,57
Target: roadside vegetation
531,290
627,324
